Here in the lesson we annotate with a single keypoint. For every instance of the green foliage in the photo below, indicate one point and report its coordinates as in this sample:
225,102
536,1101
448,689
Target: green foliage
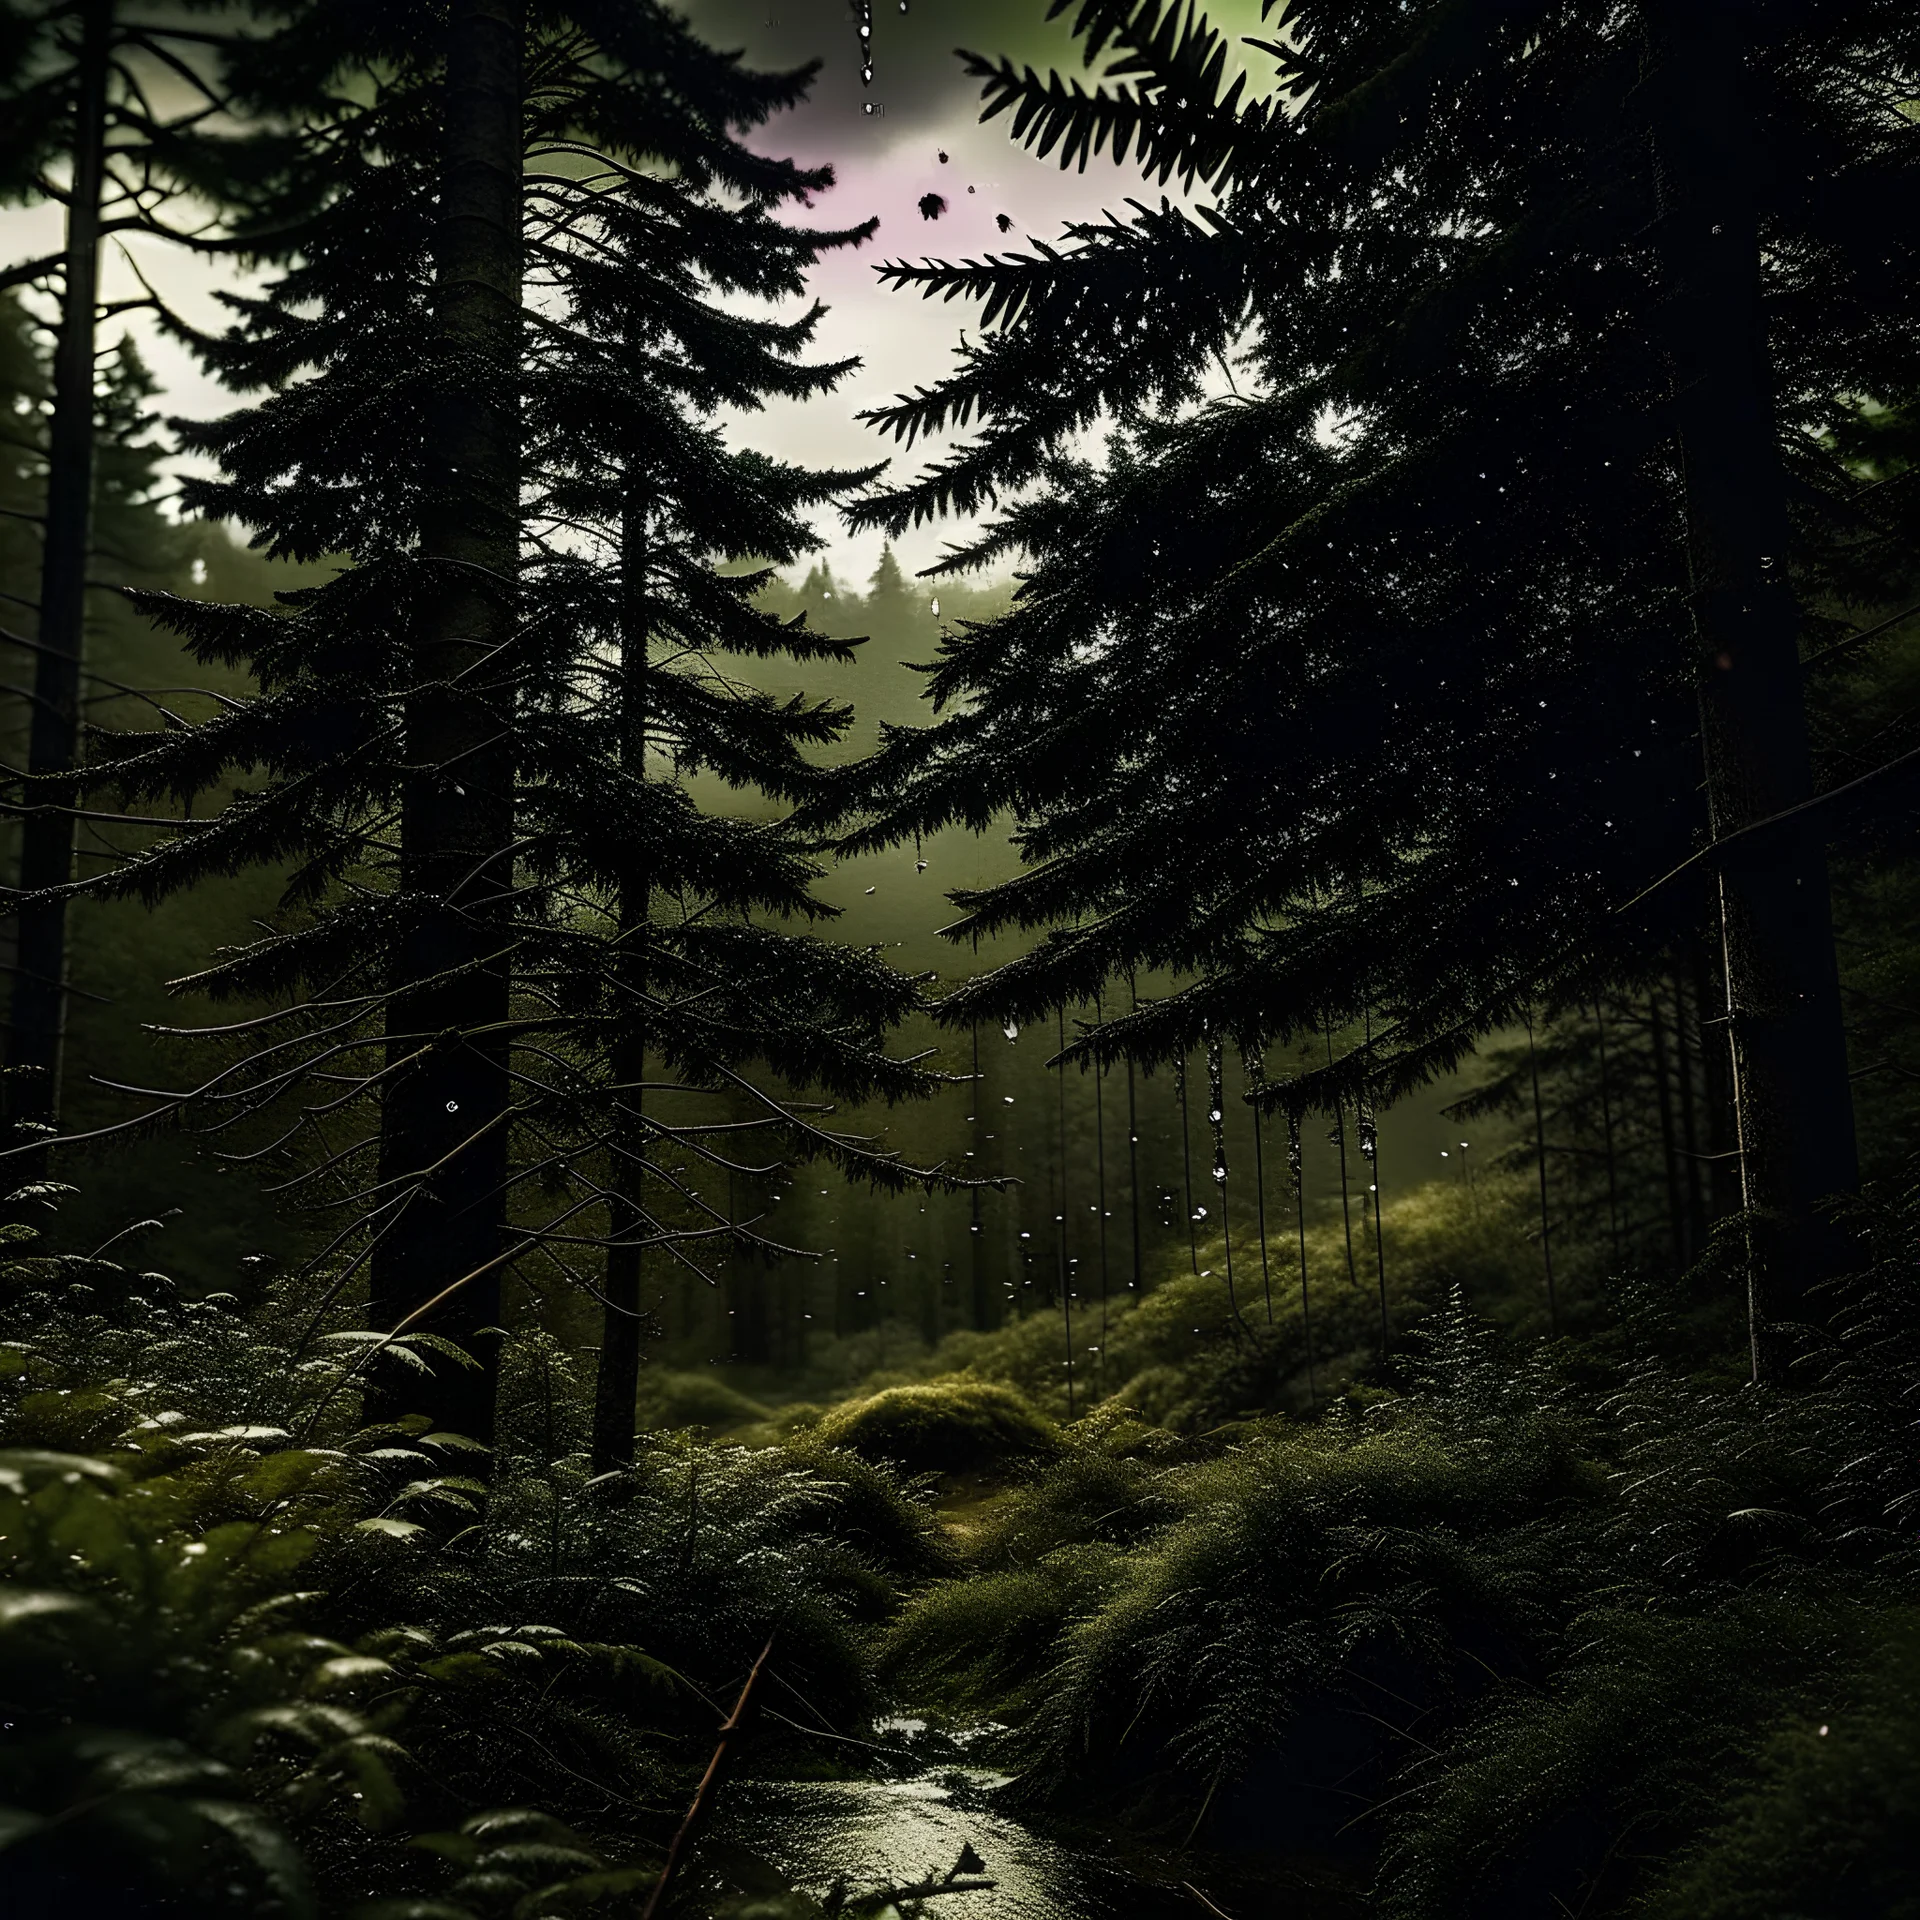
1826,1830
945,1426
170,1719
1552,1627
987,1644
1177,1357
1640,1733
1298,1560
244,1635
879,1514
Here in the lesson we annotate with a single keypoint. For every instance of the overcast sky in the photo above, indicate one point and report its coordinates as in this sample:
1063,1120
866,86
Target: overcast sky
884,161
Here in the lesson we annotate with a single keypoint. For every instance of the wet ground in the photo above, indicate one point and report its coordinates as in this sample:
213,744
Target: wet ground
932,1798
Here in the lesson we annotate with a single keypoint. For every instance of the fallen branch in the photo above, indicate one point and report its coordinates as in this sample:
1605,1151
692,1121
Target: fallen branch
703,1794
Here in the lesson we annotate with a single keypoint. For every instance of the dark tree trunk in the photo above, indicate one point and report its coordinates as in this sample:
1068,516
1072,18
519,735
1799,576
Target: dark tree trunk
38,1013
984,1316
1669,1149
444,1125
1339,1138
1540,1156
1133,1181
1606,1123
1686,1038
1791,1096
617,1383
1710,993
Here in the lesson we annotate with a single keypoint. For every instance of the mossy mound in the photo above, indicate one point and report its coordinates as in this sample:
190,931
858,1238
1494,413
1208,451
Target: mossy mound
679,1400
945,1426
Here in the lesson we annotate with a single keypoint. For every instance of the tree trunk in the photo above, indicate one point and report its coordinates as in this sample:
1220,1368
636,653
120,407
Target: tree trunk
1669,1151
1540,1156
38,1021
984,1318
444,1125
1606,1123
1723,1173
617,1383
1686,1033
1792,1101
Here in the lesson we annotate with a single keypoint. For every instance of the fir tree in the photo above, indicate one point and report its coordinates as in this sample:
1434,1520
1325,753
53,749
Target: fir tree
1372,691
489,884
76,86
890,600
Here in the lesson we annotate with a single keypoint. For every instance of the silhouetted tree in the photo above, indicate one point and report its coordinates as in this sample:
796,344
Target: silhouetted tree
1376,686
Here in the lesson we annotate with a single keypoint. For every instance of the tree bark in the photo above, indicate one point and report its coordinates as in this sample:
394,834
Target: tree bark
1686,1034
1669,1150
1540,1156
1723,1175
617,1382
38,1012
1792,1100
1606,1123
444,1123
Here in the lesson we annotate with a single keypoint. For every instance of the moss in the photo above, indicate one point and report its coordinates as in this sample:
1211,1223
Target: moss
945,1426
676,1400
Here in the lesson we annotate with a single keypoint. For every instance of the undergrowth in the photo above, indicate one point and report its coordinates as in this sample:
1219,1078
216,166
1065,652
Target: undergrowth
1588,1623
1538,1627
259,1658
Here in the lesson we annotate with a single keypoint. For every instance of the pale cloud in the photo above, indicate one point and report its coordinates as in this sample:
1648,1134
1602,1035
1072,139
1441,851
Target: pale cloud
884,164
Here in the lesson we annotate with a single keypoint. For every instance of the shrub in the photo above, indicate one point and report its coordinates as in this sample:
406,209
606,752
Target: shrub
1827,1829
987,1644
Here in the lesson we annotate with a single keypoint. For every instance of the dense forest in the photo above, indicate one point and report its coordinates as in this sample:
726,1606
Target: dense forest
1214,1211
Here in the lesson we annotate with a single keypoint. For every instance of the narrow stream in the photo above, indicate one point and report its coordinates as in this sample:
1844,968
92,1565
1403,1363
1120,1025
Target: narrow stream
911,1820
